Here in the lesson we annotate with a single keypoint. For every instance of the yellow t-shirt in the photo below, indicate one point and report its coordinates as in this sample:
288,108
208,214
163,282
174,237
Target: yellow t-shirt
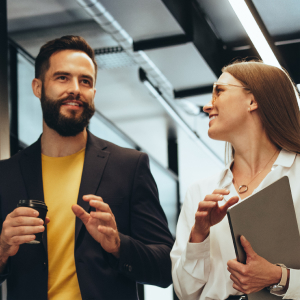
61,182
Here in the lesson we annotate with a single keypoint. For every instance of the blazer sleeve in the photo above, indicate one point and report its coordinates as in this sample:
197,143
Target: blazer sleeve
6,270
145,254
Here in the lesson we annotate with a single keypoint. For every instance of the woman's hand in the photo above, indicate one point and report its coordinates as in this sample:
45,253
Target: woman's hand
209,213
256,274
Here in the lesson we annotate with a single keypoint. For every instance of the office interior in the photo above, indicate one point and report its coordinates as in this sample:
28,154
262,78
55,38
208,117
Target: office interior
157,62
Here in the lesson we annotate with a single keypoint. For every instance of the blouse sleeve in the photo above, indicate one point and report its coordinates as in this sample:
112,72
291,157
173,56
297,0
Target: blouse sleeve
293,291
190,261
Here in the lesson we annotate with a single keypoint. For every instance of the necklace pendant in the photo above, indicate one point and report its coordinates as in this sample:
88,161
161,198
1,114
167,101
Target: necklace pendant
243,188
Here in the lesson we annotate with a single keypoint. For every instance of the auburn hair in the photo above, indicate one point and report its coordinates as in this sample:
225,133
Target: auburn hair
277,98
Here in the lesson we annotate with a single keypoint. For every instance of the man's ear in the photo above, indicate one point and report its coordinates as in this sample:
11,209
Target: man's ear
37,87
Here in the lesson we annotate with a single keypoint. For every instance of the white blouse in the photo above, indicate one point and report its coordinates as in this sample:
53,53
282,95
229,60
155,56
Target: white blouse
199,270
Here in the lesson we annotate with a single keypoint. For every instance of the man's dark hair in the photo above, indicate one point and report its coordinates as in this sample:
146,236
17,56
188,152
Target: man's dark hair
68,42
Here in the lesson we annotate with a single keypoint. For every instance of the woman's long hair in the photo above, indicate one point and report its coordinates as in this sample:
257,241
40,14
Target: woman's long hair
276,96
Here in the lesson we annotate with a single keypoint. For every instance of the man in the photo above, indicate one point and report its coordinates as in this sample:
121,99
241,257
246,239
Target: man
120,235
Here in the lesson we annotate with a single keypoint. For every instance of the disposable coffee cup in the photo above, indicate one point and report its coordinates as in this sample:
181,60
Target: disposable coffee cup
41,207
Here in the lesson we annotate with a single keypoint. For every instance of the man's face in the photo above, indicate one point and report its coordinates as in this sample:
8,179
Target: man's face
68,91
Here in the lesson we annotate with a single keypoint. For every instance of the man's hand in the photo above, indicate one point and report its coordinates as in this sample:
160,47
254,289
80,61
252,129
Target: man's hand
256,274
18,228
101,224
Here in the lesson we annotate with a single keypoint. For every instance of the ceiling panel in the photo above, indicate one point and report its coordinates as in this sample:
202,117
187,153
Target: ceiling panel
286,13
183,66
35,14
122,97
223,20
33,39
143,18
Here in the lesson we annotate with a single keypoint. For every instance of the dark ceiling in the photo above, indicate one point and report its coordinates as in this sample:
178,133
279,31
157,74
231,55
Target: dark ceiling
189,41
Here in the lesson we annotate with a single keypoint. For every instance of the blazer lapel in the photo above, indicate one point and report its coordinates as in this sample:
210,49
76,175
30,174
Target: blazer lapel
94,165
31,169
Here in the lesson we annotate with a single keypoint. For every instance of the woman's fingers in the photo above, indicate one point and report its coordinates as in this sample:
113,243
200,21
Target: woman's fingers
204,205
230,202
221,191
209,212
217,195
213,197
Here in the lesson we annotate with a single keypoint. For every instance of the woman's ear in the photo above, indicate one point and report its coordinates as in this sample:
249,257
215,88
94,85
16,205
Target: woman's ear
37,87
253,104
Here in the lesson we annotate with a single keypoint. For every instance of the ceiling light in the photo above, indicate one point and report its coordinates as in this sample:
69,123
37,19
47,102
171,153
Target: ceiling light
260,43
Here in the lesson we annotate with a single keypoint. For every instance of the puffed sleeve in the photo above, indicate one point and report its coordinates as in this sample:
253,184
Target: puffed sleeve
293,291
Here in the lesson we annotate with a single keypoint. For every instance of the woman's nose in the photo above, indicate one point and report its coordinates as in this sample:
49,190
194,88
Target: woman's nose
209,106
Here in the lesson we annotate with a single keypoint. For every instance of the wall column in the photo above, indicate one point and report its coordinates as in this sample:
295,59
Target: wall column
4,109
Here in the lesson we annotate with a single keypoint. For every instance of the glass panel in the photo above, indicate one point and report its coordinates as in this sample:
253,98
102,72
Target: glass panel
30,124
102,131
166,184
167,190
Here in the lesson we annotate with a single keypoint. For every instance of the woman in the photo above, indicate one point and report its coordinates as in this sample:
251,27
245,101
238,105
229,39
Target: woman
254,108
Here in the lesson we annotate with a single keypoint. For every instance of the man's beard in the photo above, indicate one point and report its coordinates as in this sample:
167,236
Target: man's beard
65,126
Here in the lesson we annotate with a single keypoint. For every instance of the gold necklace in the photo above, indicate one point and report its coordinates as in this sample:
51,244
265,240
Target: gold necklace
244,187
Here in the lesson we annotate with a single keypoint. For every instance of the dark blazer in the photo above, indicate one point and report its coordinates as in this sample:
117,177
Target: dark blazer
122,178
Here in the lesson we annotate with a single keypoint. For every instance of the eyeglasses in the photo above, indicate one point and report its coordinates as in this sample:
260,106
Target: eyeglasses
215,94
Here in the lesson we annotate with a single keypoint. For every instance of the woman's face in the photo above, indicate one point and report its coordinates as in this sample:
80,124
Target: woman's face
228,109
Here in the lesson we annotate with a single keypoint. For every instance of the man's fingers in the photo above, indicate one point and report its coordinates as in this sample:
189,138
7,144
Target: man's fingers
100,206
92,197
103,216
80,213
24,211
23,221
108,231
22,239
47,220
15,233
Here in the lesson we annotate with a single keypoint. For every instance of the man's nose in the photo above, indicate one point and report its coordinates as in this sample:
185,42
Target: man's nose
74,88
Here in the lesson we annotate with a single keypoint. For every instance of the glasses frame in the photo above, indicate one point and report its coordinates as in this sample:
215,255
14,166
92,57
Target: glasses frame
226,84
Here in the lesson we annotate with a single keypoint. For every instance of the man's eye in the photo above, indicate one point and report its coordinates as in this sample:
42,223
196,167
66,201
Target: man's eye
62,77
85,81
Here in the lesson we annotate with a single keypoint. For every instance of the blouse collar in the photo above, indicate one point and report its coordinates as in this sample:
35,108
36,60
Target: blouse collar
284,159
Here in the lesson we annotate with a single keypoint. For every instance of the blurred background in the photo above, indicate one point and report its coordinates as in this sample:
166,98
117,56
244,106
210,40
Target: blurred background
158,60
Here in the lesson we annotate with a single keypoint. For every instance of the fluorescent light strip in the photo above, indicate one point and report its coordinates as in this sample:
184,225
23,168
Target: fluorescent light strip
182,124
246,18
